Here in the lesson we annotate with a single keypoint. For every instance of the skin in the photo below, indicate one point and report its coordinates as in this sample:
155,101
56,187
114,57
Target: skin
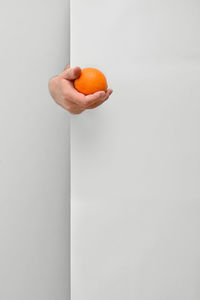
62,90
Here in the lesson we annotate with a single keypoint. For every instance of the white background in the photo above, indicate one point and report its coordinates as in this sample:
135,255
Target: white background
34,152
135,160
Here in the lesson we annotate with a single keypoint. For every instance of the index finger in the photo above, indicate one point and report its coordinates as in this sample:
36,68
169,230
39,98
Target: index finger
86,100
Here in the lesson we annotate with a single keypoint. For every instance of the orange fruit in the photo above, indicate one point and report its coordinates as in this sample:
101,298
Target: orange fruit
90,81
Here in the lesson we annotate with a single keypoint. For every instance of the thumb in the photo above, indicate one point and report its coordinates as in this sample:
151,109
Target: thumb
71,73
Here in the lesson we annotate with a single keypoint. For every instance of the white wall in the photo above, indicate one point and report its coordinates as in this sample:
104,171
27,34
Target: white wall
135,160
34,152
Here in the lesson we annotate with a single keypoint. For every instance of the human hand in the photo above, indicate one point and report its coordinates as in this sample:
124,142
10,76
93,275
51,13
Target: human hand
62,90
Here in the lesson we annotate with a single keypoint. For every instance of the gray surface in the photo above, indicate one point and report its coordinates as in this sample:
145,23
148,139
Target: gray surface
135,161
34,152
